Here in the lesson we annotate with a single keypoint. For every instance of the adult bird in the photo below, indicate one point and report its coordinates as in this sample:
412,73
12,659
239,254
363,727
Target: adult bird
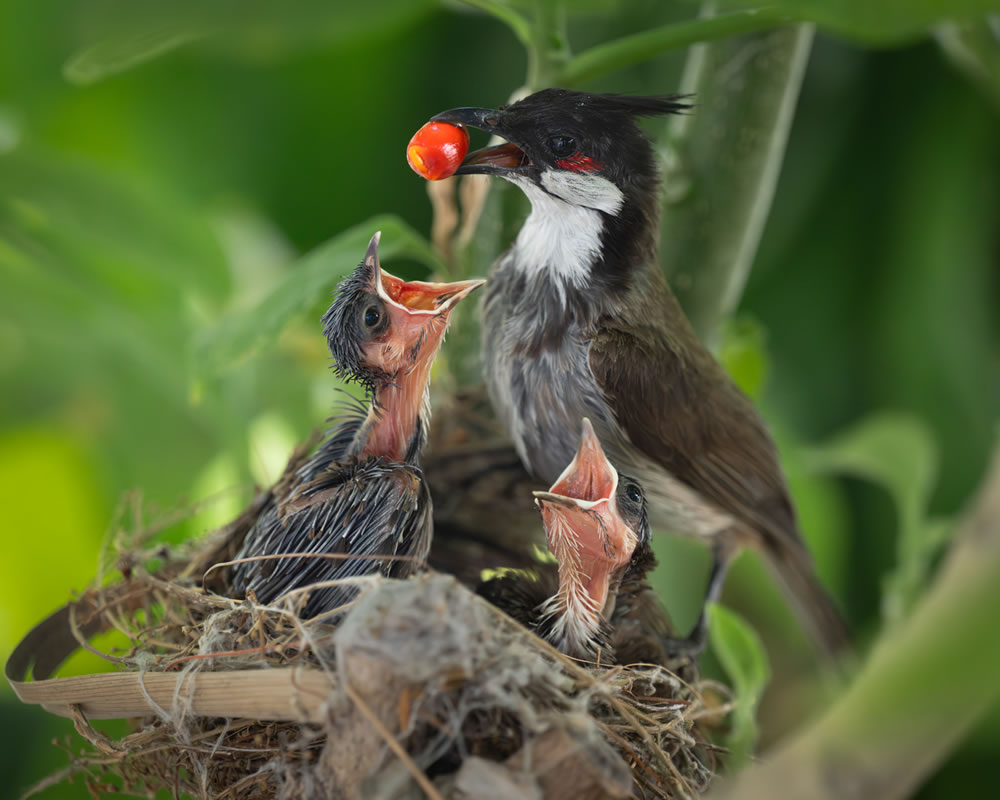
596,604
359,504
579,321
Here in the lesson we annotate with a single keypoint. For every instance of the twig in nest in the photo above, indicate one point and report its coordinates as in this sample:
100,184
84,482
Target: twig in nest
95,737
85,644
245,652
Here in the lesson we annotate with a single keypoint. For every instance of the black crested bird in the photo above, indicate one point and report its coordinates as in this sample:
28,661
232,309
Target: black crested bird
579,321
360,495
597,605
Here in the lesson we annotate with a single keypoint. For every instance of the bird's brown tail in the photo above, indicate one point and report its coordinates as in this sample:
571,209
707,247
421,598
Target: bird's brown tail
811,602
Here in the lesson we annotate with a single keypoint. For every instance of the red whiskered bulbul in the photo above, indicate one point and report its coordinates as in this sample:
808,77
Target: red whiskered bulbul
580,322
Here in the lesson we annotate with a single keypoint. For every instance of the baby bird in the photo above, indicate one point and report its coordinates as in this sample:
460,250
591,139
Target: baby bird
598,606
359,504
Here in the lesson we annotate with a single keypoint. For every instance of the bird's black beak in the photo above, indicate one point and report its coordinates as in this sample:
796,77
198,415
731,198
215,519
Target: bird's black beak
497,160
486,119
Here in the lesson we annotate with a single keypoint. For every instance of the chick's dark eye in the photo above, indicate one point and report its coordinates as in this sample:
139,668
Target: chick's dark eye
562,146
372,316
633,493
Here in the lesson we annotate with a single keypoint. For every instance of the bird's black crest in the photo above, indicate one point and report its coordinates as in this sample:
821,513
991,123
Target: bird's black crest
589,104
342,330
639,106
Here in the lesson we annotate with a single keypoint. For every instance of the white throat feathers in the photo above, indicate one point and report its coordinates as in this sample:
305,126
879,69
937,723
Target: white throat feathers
562,234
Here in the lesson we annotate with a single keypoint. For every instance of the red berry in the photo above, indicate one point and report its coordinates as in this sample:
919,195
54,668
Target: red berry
437,150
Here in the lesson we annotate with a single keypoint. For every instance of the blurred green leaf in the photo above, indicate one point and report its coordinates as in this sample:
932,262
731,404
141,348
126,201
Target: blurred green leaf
882,22
823,512
125,33
742,656
135,241
934,352
897,452
242,333
119,54
84,250
744,353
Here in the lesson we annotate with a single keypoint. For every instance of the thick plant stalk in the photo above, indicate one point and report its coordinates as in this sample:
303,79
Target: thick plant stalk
549,49
925,685
639,46
722,164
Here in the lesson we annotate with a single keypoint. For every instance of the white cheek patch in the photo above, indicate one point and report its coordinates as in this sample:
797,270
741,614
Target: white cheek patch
587,190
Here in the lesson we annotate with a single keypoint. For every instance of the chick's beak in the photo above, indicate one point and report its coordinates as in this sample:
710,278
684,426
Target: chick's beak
421,297
502,158
586,532
419,312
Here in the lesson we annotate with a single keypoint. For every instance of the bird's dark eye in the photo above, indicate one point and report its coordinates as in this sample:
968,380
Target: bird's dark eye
633,493
372,316
562,146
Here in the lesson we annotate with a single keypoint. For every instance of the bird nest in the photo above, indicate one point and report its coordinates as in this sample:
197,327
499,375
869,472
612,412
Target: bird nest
421,688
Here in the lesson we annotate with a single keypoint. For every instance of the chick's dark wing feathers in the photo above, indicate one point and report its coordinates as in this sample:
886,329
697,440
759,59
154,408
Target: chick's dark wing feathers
375,514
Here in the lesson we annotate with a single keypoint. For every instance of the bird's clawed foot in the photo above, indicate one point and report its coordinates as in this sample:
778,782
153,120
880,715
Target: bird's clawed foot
694,644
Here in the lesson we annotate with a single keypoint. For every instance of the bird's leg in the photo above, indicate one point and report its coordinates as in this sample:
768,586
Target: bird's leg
695,642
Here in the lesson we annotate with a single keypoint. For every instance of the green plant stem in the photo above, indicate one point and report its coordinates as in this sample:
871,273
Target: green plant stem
923,688
638,47
518,24
549,49
722,163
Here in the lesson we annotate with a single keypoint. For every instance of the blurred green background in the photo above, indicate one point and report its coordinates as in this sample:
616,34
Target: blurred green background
164,168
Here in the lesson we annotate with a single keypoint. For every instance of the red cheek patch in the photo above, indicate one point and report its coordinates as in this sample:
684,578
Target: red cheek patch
578,162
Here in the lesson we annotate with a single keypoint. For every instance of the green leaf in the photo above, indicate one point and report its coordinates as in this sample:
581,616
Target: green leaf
122,34
243,333
880,22
111,56
897,452
82,249
742,656
133,240
744,354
